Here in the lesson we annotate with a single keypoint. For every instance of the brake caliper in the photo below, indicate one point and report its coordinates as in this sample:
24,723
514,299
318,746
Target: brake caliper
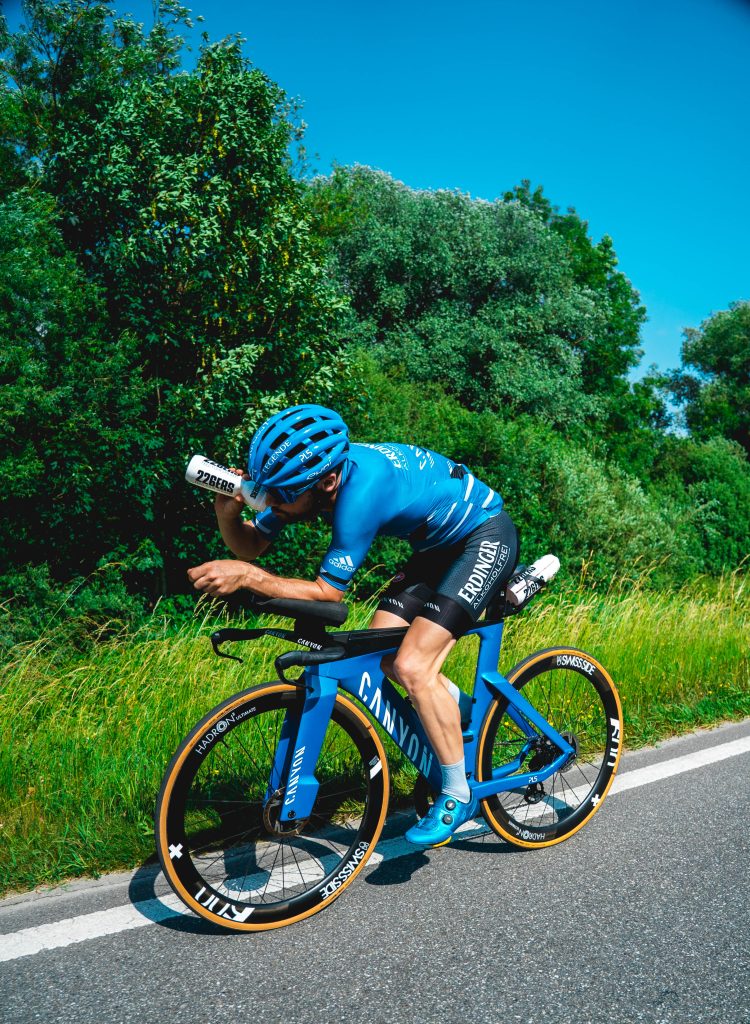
271,817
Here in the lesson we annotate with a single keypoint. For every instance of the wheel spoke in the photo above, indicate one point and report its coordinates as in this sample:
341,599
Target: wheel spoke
222,829
578,704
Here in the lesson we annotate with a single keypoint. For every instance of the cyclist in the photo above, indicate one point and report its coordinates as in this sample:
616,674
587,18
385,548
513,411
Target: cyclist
465,549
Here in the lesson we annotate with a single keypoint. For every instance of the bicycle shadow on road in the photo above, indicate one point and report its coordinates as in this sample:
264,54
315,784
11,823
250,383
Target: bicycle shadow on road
397,870
152,898
160,907
401,861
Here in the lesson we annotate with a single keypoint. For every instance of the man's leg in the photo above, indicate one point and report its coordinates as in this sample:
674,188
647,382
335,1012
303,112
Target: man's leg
387,620
416,667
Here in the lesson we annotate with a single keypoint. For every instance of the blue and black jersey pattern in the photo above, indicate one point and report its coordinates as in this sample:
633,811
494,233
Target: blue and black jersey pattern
397,490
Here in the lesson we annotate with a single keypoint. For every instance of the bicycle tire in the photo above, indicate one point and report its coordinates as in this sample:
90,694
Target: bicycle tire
215,832
578,698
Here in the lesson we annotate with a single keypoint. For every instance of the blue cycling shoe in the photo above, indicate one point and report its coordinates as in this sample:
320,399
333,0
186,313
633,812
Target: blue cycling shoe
441,821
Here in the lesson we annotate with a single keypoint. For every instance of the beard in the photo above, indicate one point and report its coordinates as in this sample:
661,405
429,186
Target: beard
312,505
309,510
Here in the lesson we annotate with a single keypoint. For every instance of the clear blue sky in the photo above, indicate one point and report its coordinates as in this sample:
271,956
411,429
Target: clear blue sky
636,113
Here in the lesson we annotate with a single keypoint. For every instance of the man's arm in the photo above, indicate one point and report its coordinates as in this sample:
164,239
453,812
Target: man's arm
221,578
242,539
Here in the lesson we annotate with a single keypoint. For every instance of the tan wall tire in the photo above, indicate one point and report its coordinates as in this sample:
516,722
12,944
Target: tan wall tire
575,693
212,819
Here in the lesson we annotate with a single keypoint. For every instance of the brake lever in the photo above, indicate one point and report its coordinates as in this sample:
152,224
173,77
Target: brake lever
216,639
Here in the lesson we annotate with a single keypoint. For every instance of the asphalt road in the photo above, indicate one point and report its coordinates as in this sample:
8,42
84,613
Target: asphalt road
644,915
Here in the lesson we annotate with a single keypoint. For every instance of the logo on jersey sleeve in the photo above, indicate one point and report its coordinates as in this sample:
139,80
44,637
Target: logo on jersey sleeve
338,567
343,562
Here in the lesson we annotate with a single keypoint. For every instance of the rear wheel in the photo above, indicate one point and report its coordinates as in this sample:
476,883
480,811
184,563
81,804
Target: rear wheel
218,834
577,697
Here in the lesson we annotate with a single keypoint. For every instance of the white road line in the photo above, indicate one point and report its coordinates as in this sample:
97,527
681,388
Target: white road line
677,765
29,941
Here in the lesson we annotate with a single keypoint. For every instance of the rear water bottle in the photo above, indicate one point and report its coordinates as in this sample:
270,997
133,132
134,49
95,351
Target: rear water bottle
213,476
530,579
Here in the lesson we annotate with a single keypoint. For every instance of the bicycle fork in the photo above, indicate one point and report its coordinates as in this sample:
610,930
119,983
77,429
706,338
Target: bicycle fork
292,781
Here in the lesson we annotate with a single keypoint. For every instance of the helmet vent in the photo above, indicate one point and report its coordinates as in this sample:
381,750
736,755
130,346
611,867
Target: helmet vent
294,448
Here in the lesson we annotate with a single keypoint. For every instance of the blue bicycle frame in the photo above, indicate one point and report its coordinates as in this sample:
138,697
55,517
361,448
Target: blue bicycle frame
303,732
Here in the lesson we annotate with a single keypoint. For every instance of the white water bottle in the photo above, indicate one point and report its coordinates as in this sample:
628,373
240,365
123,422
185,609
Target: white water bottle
524,584
213,476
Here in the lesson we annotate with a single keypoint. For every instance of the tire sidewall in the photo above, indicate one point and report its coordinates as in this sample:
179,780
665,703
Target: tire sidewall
554,658
197,894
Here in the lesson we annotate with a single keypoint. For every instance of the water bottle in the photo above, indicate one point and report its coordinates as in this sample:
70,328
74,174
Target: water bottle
213,476
531,578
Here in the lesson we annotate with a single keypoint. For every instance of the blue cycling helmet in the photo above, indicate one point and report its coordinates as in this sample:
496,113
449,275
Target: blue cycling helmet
295,448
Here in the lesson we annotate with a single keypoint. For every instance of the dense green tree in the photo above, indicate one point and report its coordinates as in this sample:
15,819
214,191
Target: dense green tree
477,295
706,485
510,304
75,445
611,353
633,415
175,193
713,384
175,189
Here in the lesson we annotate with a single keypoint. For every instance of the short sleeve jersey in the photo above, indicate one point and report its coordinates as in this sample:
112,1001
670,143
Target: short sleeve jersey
396,490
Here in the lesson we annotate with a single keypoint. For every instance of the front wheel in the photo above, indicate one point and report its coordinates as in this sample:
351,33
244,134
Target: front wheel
221,844
577,697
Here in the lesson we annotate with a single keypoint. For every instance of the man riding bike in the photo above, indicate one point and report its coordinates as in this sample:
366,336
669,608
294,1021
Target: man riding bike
465,550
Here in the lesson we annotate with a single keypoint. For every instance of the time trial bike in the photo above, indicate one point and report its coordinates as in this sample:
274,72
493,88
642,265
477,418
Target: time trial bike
275,801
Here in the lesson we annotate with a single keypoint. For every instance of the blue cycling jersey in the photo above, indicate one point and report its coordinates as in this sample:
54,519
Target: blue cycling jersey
396,490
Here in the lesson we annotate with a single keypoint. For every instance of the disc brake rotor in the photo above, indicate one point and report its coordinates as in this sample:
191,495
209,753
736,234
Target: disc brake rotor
271,813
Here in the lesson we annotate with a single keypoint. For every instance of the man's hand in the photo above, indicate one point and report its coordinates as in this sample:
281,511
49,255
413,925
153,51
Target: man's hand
228,507
221,578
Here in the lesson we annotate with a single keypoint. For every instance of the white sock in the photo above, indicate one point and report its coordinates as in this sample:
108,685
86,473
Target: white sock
462,699
454,781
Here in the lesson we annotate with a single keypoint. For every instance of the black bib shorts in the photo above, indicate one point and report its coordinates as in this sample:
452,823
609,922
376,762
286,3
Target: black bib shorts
453,585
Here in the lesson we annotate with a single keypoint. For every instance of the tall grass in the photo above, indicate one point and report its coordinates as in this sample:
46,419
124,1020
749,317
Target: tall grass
86,736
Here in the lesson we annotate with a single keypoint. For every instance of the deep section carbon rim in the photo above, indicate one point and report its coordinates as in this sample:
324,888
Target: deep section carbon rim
218,834
577,697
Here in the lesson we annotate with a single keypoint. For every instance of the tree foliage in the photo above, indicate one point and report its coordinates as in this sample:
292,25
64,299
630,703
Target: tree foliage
509,304
75,445
713,384
166,282
610,353
173,191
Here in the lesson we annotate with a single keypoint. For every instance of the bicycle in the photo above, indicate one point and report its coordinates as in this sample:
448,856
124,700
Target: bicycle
274,802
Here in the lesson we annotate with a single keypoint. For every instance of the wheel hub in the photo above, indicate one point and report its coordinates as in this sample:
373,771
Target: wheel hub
271,817
534,793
